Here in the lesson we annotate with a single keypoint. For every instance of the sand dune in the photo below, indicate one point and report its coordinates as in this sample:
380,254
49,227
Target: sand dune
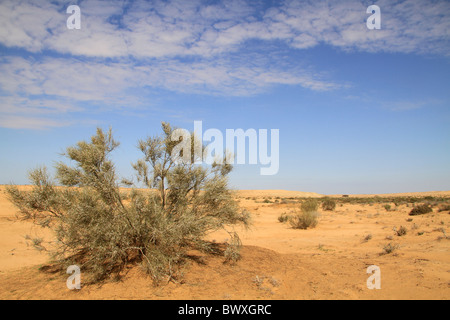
278,262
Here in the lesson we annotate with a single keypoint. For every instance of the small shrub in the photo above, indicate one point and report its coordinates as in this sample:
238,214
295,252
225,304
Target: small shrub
305,220
421,209
368,237
444,207
387,207
274,282
258,281
389,248
37,244
232,252
310,205
401,231
329,204
283,217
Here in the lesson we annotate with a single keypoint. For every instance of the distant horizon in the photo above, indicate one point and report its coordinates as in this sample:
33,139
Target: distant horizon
277,190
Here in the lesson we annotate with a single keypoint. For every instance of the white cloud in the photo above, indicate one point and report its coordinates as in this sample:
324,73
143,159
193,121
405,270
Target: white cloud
106,82
173,28
188,46
26,122
64,86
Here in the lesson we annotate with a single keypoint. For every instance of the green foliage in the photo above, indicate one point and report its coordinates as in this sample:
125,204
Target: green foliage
304,220
310,205
308,216
421,209
397,200
387,207
328,204
97,230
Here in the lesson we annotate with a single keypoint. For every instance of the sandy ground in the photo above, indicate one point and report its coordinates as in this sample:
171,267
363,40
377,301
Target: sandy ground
278,262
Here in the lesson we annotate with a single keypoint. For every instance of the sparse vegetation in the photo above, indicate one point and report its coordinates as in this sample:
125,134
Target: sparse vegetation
444,234
309,205
265,283
328,204
387,207
401,231
100,231
304,220
284,217
444,207
308,215
421,209
390,248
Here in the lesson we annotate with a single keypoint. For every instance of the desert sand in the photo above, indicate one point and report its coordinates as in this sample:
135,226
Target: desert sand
278,262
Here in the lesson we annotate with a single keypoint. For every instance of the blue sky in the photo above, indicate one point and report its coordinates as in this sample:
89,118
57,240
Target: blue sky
358,110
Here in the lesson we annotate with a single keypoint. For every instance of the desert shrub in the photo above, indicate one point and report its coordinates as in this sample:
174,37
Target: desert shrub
310,205
231,253
444,207
390,248
387,207
420,209
283,217
401,231
328,204
304,220
98,231
308,216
